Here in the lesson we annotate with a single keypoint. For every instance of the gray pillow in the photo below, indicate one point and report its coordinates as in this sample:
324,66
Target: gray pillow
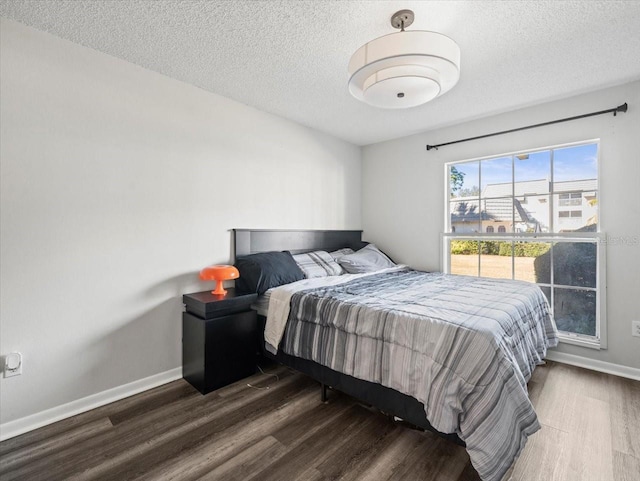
318,264
367,259
341,252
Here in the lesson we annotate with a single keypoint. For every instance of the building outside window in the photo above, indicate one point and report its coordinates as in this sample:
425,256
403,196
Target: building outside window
533,216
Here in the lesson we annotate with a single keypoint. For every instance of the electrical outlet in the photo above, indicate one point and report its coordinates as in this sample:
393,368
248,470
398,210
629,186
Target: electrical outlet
635,328
12,364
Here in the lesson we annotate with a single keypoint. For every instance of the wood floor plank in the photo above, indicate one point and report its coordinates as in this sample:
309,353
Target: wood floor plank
557,401
360,453
161,399
145,398
537,382
163,423
383,467
321,417
52,444
624,401
148,457
625,467
436,458
590,383
589,438
300,427
76,457
338,457
313,447
543,458
211,449
248,461
423,448
470,474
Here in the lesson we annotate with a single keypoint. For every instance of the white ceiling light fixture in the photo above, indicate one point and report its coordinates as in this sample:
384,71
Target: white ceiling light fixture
404,69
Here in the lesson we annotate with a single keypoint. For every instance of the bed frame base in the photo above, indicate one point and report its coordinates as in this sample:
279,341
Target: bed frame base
323,392
384,399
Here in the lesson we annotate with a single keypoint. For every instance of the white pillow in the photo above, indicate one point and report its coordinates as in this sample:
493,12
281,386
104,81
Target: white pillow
367,259
318,264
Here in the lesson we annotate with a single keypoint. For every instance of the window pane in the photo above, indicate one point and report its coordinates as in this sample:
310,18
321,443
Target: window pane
464,257
532,173
497,177
532,261
498,213
572,165
495,259
532,213
575,311
464,180
465,216
547,293
577,211
575,264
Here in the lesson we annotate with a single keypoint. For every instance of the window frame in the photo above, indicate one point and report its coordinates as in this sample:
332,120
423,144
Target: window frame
599,341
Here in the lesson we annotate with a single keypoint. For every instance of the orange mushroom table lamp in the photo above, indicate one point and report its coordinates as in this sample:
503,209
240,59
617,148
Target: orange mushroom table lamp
219,274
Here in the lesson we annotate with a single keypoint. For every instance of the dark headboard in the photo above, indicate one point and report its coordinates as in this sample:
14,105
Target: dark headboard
251,241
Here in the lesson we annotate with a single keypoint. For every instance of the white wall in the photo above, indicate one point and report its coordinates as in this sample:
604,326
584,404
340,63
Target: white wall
403,194
118,186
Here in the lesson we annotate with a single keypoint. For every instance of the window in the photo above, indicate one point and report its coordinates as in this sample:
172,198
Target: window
570,213
544,204
570,199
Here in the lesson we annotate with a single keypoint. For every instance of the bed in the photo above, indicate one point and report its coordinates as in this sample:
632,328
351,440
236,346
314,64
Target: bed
478,382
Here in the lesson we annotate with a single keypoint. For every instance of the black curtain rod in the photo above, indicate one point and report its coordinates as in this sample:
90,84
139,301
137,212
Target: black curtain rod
619,108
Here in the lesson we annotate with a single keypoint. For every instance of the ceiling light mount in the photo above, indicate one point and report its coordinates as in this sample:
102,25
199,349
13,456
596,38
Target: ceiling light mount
402,19
404,69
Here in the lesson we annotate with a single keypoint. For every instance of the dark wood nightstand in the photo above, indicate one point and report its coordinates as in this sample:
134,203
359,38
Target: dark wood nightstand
219,338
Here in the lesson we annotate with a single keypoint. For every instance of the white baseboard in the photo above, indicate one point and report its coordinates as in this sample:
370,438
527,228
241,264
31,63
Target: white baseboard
43,418
35,421
595,365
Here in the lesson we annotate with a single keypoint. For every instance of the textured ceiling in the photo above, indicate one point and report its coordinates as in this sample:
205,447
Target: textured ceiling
290,57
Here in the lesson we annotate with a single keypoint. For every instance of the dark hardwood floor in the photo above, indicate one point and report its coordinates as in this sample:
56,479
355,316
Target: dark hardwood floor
279,430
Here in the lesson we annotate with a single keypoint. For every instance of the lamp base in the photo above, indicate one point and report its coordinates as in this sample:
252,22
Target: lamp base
219,290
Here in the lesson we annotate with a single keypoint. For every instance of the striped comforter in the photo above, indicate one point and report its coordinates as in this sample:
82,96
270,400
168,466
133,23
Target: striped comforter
463,346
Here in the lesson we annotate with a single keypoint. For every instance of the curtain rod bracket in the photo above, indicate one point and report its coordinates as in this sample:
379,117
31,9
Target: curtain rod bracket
620,108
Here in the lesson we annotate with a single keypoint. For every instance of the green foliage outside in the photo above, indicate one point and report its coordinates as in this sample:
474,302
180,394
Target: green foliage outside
499,248
525,249
469,192
456,179
464,247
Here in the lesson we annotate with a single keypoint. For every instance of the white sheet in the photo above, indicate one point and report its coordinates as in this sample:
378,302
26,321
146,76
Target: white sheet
261,304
